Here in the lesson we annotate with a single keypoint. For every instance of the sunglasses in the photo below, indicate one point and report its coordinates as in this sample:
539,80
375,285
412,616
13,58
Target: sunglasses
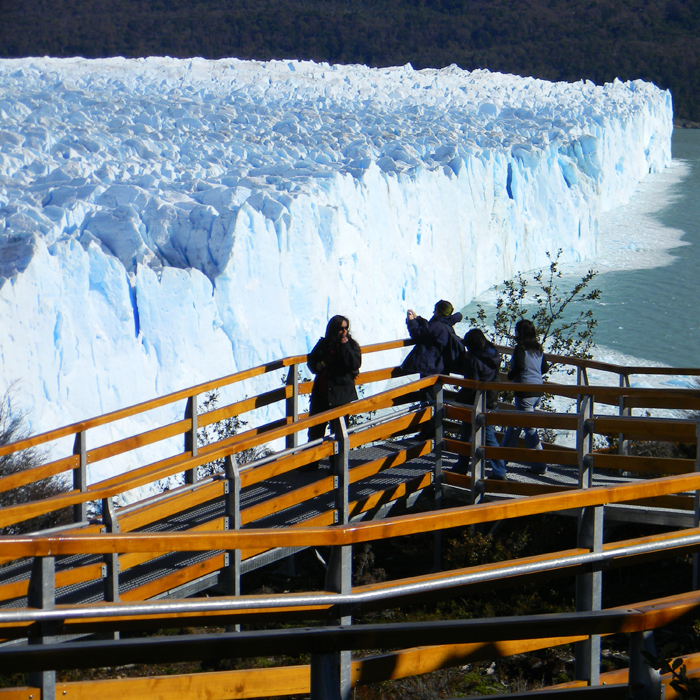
343,328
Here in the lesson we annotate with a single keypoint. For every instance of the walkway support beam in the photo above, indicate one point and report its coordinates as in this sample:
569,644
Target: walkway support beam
292,404
42,594
331,672
191,414
80,475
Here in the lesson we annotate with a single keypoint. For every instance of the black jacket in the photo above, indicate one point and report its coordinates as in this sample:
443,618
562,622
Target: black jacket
336,380
481,367
437,349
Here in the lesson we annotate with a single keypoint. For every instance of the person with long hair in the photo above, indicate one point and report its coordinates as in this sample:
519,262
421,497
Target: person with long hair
481,363
527,366
335,360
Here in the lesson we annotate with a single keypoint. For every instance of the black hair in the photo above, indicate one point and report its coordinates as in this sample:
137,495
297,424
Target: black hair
526,335
333,327
476,342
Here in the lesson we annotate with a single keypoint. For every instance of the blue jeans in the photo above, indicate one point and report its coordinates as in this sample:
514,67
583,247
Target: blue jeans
532,438
498,466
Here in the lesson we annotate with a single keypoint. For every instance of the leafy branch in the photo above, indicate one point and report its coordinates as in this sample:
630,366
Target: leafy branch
687,688
557,331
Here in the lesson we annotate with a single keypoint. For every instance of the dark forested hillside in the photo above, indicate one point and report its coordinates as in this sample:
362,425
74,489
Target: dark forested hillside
657,40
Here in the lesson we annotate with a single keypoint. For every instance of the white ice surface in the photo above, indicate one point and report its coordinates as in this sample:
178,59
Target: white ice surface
166,221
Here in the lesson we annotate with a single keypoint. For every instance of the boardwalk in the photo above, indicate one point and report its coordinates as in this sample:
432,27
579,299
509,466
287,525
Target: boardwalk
136,565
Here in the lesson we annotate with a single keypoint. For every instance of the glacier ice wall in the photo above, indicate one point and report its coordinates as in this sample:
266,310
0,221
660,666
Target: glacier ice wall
164,221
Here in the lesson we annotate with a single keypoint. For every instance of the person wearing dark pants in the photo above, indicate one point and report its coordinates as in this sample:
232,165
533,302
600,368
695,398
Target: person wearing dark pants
527,367
335,361
481,363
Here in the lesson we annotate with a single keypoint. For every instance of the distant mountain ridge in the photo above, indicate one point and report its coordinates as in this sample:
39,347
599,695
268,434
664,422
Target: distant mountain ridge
656,40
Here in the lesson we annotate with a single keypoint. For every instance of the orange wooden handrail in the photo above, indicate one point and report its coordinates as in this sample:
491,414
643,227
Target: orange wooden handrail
355,533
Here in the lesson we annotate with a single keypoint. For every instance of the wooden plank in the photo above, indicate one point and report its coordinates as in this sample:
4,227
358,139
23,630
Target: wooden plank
464,481
128,561
323,521
391,428
175,579
524,454
674,502
688,403
23,693
457,447
354,533
460,413
640,464
241,407
391,494
151,512
393,460
45,471
143,475
517,488
145,406
638,428
11,515
536,419
389,345
219,685
661,537
141,440
254,475
419,660
287,500
66,577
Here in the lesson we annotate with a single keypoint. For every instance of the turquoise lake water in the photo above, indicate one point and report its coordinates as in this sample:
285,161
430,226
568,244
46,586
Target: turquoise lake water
649,268
654,314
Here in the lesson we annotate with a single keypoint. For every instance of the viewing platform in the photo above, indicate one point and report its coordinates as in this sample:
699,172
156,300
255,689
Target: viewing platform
231,492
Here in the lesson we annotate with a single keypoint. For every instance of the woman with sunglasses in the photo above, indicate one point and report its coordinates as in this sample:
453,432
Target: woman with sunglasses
335,360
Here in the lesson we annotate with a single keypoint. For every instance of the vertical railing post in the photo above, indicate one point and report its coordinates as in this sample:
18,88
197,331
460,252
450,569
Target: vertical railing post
331,672
42,595
696,517
232,570
644,681
191,437
292,405
80,475
341,470
478,461
581,380
590,536
109,519
623,446
438,477
589,595
584,441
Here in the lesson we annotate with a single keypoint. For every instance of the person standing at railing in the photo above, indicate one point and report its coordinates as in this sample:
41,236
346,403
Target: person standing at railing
527,367
438,349
335,360
480,363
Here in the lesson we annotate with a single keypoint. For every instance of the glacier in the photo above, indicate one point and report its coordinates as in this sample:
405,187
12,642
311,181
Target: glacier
165,222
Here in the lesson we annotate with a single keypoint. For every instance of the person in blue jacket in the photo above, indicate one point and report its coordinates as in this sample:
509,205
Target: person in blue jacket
527,367
480,363
437,349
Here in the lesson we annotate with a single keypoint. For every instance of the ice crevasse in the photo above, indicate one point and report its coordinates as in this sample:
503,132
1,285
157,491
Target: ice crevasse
164,222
